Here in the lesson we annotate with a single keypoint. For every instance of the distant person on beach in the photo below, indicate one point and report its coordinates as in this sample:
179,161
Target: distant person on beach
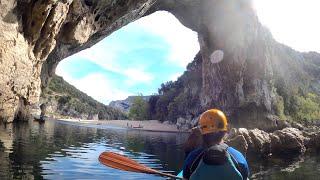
211,157
43,108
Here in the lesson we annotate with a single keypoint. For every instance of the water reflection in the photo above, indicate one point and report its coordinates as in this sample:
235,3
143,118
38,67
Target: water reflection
56,150
59,151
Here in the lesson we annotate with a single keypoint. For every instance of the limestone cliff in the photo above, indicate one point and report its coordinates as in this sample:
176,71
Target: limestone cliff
125,105
295,88
36,34
180,98
260,81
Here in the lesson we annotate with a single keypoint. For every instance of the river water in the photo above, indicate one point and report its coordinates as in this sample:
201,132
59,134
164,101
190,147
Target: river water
59,150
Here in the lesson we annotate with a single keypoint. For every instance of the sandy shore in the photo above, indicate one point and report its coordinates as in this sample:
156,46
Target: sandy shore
148,125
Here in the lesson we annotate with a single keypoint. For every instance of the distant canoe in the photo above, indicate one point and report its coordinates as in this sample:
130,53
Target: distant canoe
137,127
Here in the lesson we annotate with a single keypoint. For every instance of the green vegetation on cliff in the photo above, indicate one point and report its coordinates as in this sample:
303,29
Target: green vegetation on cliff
306,107
72,102
296,89
139,109
179,98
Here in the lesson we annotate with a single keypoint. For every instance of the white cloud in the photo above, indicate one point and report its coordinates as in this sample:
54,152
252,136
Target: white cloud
183,42
183,47
136,75
292,22
103,55
96,85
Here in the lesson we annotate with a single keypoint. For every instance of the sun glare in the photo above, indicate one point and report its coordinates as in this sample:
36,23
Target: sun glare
292,22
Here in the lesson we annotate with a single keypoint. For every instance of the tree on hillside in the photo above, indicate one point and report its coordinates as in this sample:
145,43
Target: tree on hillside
152,106
139,109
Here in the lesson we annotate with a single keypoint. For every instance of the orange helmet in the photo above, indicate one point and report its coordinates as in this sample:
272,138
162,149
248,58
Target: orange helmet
212,121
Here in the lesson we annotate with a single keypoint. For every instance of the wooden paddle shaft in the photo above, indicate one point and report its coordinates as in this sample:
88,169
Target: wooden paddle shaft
168,175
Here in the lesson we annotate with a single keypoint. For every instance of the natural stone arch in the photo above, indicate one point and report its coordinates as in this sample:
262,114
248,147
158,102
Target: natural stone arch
231,26
45,32
233,32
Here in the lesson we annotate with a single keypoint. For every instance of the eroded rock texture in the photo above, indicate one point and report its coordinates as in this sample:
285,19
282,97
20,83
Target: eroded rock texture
36,34
258,79
288,141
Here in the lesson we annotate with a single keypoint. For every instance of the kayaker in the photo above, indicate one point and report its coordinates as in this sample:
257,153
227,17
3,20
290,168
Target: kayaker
193,142
214,159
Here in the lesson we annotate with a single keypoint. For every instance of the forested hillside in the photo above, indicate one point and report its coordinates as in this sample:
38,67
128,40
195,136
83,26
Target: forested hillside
66,100
296,88
180,98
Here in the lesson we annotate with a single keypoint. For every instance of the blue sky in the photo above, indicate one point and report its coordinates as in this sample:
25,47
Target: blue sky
135,59
155,49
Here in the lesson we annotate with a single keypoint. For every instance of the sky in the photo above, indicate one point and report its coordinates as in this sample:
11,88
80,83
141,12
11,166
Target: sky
133,60
152,50
292,22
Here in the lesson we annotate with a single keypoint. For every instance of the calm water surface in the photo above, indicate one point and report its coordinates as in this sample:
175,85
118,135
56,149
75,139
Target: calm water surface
58,150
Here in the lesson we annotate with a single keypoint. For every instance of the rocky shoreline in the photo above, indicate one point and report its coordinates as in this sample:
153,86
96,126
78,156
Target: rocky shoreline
148,125
280,138
293,139
289,141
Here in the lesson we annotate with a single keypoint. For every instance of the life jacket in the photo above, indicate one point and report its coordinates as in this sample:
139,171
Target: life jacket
216,163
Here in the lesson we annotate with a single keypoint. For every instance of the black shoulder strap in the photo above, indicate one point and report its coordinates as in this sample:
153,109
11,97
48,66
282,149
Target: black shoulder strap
196,161
224,145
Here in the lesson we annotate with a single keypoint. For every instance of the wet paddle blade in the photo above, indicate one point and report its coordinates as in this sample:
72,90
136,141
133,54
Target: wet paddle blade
121,162
118,161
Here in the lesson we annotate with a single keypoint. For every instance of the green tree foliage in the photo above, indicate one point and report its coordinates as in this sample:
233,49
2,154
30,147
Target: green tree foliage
179,98
307,107
69,97
296,89
279,107
164,101
152,106
139,109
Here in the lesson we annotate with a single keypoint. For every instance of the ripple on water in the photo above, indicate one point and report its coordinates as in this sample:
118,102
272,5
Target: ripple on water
64,151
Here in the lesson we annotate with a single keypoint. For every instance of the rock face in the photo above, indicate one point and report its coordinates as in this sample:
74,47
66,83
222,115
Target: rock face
124,105
186,124
287,141
257,143
259,80
180,99
36,35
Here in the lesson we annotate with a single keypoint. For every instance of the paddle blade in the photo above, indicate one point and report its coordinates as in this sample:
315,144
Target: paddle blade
121,162
118,161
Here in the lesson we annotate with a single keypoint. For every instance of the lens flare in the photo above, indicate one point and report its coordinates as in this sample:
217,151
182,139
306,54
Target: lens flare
216,56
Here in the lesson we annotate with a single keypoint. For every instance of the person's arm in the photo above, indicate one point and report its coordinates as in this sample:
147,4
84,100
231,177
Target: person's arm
242,166
186,173
187,166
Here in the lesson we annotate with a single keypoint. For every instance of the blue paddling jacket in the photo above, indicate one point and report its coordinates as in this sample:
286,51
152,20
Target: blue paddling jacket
217,162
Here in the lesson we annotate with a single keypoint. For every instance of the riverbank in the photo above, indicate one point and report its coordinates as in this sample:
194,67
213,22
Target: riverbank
147,125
